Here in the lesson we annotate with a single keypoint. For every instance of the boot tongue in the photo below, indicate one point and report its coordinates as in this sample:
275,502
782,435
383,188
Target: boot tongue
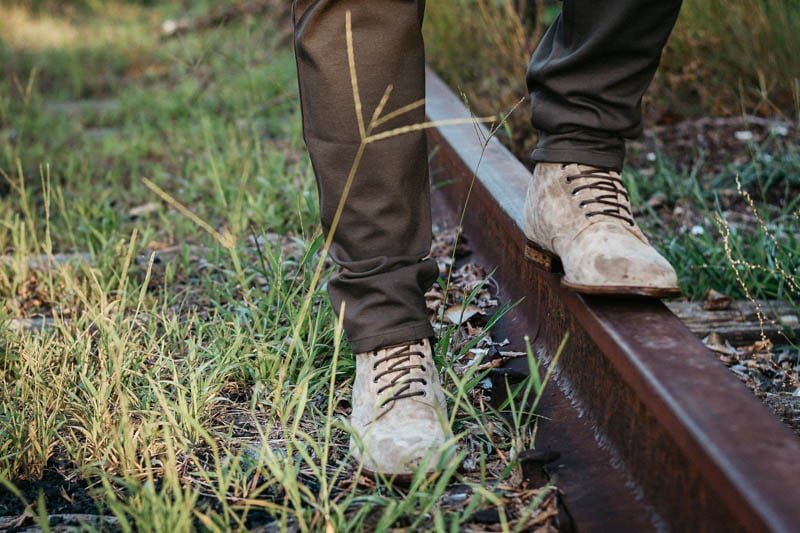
400,374
602,193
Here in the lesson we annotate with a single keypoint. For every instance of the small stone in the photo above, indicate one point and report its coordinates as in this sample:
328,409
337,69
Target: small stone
779,130
657,200
455,499
486,516
31,324
697,230
169,26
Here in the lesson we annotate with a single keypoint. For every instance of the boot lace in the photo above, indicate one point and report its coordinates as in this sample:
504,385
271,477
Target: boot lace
399,362
609,194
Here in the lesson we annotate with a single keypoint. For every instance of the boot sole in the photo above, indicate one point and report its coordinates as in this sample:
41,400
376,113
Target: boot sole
402,479
550,262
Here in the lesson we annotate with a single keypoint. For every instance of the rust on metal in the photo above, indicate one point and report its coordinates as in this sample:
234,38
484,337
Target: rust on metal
652,432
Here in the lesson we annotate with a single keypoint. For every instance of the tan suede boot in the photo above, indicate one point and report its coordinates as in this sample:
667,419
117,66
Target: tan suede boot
399,413
582,215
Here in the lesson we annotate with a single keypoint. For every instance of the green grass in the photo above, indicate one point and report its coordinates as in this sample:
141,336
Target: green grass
166,383
763,237
726,57
481,48
193,122
722,58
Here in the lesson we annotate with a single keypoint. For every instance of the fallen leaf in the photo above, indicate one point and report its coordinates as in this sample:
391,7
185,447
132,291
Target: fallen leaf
758,347
716,301
457,314
717,343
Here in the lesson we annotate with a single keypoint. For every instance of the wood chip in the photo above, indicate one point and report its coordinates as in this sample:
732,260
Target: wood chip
739,324
144,209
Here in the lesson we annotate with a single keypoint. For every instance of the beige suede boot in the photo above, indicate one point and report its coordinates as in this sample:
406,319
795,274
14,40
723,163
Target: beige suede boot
399,413
582,215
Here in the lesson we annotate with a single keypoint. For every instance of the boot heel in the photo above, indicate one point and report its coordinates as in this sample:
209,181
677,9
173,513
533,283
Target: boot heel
542,258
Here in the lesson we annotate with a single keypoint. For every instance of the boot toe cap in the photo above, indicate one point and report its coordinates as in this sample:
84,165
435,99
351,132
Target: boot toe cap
400,450
618,261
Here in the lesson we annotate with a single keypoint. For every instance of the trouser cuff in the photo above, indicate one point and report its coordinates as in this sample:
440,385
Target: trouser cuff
606,152
406,334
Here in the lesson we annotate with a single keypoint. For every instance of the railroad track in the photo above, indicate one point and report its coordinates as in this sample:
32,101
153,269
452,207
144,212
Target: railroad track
652,433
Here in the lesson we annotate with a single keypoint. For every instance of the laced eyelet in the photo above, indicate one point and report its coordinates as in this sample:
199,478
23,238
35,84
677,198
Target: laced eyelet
582,205
400,366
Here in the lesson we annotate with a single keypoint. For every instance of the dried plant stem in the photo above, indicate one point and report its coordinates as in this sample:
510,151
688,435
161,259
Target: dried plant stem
226,240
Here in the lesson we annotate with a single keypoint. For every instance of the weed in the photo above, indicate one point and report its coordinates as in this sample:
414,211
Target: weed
194,375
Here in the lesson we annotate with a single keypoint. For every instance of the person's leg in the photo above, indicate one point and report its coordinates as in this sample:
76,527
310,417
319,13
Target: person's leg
399,414
385,229
589,73
587,78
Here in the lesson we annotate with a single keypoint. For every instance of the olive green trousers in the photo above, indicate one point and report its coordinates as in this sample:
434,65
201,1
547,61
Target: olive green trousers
586,80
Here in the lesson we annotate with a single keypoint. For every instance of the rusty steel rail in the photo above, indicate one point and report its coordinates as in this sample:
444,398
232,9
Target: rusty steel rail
653,432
